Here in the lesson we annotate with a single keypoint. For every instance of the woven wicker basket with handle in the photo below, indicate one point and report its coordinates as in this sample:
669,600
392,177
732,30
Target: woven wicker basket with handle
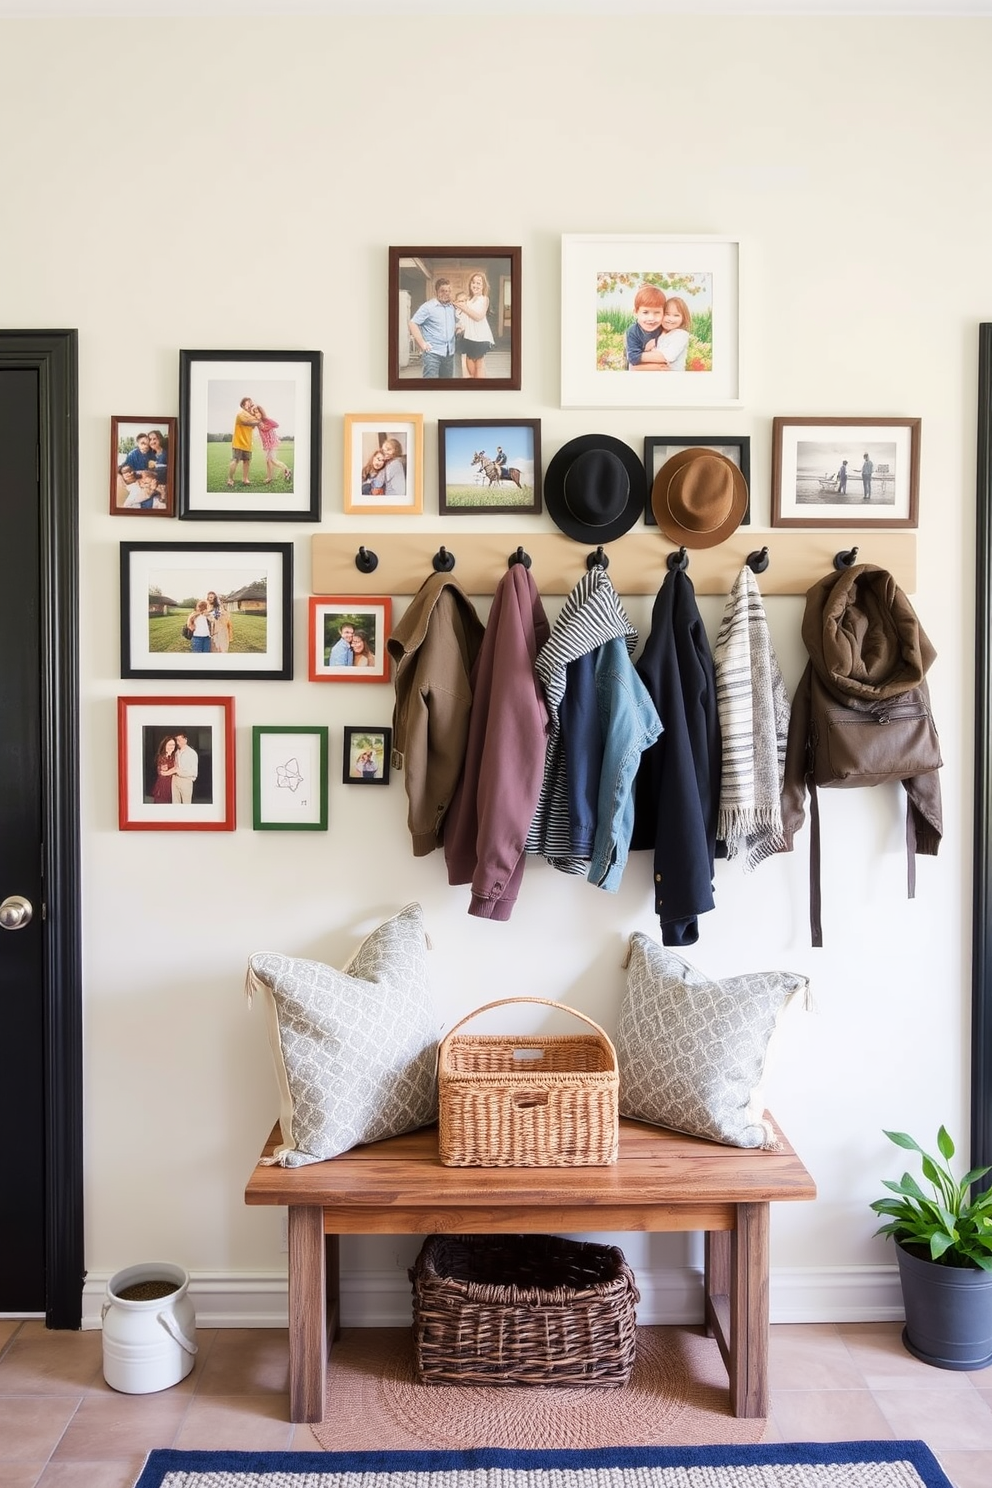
538,1101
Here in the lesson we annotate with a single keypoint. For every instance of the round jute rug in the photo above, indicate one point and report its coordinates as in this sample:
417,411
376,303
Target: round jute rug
677,1396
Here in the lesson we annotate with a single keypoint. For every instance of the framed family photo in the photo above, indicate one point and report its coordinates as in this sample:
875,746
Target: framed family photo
348,638
366,755
142,466
202,610
250,423
488,465
659,449
175,764
650,322
384,463
454,318
289,778
845,472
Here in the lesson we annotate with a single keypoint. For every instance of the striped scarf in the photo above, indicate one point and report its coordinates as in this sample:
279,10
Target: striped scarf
753,708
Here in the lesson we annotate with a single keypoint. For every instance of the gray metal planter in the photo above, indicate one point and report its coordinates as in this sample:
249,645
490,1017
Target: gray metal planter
948,1312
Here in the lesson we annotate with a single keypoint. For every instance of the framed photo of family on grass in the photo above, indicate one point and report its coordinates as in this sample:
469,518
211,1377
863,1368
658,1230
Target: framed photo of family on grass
142,466
175,764
650,322
845,472
454,318
348,638
384,463
202,610
289,778
250,435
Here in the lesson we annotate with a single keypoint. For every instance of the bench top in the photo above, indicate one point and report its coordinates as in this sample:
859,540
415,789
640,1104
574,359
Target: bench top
655,1167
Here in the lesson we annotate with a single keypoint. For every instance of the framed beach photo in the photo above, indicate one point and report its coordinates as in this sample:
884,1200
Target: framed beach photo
175,762
845,472
454,318
250,436
348,638
658,449
289,778
384,463
142,466
202,610
366,755
650,322
488,465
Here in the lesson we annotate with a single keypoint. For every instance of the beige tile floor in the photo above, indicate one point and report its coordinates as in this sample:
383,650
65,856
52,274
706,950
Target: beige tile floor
61,1426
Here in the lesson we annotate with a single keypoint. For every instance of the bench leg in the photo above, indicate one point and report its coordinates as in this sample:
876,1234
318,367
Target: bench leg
308,1309
736,1286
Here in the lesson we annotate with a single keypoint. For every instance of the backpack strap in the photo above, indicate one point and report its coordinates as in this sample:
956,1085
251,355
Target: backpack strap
910,850
815,926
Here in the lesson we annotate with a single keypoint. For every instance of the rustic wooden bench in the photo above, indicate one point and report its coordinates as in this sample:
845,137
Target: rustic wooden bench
662,1182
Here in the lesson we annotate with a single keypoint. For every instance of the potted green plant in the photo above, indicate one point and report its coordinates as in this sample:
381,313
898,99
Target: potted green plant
944,1250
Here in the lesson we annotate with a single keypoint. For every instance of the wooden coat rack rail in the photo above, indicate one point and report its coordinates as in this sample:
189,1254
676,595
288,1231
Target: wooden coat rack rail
638,562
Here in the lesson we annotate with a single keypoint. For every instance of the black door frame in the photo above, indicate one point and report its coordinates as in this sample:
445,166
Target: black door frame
53,355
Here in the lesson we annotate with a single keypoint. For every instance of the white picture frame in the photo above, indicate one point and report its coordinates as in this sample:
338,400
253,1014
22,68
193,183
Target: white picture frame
600,275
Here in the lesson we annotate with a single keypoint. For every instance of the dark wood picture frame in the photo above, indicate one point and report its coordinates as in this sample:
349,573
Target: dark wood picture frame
485,485
806,497
142,452
413,273
213,387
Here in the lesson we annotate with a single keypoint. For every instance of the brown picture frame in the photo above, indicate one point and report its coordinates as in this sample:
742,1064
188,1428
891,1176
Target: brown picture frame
140,442
414,274
817,478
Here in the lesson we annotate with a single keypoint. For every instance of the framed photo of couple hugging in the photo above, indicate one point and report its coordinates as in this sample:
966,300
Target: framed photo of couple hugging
454,318
650,322
250,435
175,760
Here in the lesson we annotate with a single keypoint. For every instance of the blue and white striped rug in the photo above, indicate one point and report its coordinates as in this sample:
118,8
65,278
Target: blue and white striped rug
867,1464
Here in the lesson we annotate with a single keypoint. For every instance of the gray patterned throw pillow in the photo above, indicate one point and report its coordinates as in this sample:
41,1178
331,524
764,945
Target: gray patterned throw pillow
691,1051
355,1050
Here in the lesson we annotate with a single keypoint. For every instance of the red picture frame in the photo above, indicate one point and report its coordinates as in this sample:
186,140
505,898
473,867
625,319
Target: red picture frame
332,616
163,790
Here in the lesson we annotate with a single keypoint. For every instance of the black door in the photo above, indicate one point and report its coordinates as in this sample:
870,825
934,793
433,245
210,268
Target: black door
40,1087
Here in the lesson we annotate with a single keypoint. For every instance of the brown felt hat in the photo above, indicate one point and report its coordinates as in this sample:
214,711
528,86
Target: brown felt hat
699,498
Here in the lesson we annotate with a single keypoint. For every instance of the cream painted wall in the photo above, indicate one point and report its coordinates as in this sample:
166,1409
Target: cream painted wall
193,185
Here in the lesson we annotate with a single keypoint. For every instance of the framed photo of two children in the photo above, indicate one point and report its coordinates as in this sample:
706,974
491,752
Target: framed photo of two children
650,322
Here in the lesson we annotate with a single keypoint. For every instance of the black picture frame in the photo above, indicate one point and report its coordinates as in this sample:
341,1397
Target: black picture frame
660,447
254,583
372,739
413,273
517,489
213,387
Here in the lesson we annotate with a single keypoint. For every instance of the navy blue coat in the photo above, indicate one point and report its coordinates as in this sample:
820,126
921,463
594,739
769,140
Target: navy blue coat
677,791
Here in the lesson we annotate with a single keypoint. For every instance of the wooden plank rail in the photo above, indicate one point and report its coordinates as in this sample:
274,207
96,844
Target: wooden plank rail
662,1182
638,561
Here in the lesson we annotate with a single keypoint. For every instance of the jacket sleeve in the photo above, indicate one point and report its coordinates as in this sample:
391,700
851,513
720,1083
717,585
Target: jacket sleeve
796,763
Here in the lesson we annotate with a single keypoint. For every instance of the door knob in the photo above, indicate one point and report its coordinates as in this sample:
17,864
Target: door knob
15,912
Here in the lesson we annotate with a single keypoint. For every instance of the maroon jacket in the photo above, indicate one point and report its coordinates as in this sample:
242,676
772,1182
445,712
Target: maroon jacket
487,822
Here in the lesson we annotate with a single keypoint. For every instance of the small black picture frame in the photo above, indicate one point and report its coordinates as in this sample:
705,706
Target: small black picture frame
365,756
661,447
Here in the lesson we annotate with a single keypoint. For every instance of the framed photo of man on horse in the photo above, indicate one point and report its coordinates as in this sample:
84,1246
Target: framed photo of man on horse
488,465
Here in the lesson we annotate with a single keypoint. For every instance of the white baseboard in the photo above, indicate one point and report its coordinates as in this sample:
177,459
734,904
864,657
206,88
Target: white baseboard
381,1299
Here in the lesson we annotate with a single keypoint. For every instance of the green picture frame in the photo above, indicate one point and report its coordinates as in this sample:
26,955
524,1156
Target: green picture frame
289,781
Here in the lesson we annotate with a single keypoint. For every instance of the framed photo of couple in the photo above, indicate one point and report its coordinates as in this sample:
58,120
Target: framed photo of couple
142,466
175,760
197,611
250,435
384,463
454,318
348,638
650,322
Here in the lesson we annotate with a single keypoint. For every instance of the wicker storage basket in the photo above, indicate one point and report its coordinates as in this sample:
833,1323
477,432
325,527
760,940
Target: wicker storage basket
531,1102
522,1310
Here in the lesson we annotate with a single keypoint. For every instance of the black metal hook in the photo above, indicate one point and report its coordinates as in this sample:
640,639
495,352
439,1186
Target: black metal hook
366,561
443,561
846,559
597,559
758,561
679,560
519,557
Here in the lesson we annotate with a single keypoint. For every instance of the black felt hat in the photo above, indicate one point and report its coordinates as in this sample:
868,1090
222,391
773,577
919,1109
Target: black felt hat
594,488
